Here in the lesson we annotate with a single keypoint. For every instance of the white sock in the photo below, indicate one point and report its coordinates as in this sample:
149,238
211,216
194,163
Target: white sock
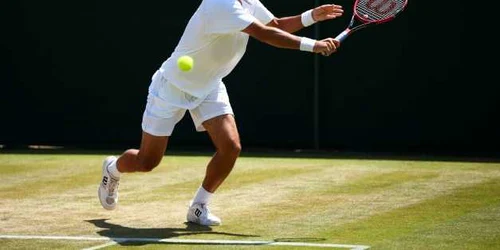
113,170
202,196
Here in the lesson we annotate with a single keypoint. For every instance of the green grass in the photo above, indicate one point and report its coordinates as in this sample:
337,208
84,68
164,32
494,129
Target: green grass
386,204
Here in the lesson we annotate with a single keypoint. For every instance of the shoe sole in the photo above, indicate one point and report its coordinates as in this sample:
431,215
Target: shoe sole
197,223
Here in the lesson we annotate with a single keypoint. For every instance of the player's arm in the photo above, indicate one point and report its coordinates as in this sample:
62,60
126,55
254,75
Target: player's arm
289,24
282,39
293,24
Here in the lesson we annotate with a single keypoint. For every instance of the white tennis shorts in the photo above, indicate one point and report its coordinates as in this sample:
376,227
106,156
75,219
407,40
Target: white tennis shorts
166,106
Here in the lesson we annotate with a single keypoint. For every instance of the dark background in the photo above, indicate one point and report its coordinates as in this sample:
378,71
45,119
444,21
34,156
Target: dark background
76,73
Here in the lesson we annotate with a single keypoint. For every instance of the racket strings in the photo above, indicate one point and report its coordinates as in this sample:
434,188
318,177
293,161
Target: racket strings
378,10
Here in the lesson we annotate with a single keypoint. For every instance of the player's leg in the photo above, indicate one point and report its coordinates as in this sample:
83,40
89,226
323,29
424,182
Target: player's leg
159,120
144,159
215,115
224,135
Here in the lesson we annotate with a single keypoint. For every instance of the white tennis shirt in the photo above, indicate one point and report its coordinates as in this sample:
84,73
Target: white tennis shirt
214,40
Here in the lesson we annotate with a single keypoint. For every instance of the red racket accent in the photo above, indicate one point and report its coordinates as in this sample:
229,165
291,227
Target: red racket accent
383,7
378,11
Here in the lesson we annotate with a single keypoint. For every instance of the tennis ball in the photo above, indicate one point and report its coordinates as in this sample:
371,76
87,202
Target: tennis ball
185,63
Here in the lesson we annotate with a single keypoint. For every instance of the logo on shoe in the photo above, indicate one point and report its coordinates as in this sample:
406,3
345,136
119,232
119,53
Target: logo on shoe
197,212
105,180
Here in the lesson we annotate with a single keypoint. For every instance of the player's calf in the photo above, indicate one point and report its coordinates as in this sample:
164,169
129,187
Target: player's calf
133,160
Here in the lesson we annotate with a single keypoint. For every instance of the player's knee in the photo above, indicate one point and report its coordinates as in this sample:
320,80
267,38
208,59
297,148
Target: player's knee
231,147
237,148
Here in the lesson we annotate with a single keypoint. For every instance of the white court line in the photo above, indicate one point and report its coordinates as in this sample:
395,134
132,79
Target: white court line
181,241
111,243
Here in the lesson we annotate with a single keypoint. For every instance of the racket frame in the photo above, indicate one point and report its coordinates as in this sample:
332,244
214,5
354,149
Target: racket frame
364,22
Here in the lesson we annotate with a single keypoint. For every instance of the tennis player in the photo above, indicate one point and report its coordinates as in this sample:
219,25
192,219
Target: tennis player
216,38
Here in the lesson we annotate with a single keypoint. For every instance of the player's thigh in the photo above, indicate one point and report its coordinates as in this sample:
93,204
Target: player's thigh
159,120
215,115
223,132
157,128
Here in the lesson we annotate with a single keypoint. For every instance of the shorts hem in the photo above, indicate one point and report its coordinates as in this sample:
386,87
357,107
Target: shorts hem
156,132
199,126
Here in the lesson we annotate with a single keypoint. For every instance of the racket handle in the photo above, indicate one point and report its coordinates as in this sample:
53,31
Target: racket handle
342,36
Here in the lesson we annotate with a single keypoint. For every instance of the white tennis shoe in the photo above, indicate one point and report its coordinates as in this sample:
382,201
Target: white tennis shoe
108,190
200,214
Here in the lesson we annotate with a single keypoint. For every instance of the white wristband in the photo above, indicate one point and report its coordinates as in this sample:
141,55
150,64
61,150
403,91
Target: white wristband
307,18
307,44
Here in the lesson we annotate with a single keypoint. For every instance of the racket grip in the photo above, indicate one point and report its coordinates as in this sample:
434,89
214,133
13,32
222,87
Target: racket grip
342,36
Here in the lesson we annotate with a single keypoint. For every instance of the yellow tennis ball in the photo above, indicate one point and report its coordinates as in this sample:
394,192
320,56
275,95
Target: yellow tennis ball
185,63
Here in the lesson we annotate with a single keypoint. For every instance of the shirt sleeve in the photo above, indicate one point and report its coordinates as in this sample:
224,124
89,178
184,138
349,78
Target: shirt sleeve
227,16
262,13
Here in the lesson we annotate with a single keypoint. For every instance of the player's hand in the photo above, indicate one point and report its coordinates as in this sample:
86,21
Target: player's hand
326,46
327,12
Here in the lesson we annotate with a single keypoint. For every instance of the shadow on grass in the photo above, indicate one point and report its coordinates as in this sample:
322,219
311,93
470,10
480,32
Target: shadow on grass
120,233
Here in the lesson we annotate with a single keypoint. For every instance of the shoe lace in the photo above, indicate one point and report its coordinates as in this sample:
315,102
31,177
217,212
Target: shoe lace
113,185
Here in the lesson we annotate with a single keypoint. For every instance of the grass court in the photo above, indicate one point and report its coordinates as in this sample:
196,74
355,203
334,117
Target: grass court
379,203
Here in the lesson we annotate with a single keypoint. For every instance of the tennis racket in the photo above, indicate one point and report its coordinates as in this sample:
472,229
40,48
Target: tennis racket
372,12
